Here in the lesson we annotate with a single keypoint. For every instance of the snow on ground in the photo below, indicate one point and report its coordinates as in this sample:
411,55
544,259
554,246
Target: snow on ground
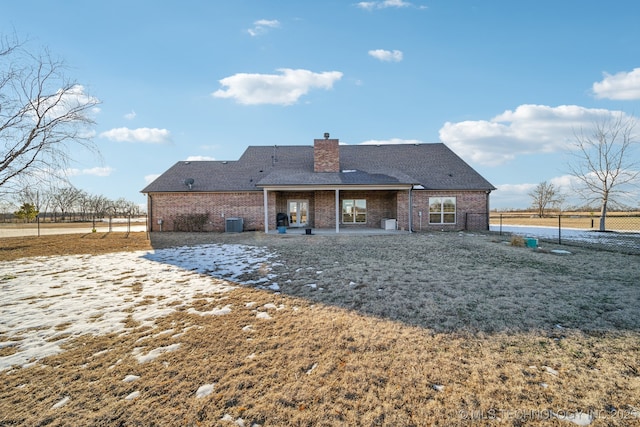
47,301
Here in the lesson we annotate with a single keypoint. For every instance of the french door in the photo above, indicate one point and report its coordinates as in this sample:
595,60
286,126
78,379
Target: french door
298,211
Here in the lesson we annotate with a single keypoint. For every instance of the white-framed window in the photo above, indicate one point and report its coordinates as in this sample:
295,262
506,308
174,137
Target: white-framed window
354,211
442,210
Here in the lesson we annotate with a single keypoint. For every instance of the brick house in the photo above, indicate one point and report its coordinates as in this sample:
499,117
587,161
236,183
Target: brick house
412,187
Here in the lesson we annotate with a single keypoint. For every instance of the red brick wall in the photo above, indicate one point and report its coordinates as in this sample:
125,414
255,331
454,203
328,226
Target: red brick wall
325,209
402,209
218,206
326,155
471,210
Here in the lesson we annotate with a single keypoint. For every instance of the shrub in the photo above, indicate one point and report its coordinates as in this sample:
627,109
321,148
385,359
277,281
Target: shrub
517,241
190,222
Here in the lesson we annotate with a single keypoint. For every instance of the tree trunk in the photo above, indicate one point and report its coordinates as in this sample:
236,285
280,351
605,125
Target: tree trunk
603,214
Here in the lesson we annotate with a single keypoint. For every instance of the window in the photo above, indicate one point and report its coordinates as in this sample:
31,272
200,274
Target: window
354,211
442,210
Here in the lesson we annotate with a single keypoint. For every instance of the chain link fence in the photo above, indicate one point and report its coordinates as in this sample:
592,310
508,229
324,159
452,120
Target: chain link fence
621,232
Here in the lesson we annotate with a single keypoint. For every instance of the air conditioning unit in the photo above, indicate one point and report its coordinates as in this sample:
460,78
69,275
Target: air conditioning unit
389,224
233,225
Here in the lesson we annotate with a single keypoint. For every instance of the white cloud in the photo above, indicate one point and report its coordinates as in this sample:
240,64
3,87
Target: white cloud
511,196
130,116
516,196
96,171
529,129
261,26
148,179
146,135
392,141
370,5
564,183
280,89
73,98
386,55
198,158
620,86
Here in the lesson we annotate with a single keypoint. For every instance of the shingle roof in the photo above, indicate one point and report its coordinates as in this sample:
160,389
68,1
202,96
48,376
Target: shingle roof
434,166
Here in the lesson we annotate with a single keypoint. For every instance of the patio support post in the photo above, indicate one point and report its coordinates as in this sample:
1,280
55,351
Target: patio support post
266,211
337,210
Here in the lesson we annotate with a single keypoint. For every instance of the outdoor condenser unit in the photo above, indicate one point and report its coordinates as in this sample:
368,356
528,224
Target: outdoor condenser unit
233,225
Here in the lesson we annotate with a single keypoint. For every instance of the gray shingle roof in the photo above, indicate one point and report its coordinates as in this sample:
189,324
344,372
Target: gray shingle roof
434,166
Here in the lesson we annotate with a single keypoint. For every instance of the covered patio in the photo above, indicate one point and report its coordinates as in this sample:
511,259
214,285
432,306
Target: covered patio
337,209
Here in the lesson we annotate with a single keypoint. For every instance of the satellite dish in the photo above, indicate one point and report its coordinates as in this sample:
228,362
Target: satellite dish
189,182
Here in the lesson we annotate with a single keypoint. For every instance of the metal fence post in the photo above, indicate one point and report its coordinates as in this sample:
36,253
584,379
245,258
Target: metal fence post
559,229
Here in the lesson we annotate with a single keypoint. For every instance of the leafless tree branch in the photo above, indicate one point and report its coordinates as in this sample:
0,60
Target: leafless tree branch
42,115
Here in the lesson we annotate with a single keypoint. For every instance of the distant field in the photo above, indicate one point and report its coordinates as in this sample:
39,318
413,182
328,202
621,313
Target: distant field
17,229
616,220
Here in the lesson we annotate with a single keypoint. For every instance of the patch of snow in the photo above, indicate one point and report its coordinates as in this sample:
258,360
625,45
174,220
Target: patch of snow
131,378
560,252
550,371
61,403
49,301
133,395
315,365
438,387
154,354
578,418
215,312
239,421
204,390
263,315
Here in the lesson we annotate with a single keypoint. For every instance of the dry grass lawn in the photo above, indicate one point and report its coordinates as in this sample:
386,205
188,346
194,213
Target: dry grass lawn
389,330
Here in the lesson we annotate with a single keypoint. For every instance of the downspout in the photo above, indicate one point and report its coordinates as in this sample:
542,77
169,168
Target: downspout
266,211
337,210
149,214
488,213
411,209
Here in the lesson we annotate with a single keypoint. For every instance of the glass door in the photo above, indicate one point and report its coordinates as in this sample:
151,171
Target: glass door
298,213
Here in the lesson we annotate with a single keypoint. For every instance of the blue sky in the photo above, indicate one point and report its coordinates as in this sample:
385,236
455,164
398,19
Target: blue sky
502,83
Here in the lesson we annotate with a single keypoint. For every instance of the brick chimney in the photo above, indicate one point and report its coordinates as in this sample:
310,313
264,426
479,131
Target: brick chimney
326,155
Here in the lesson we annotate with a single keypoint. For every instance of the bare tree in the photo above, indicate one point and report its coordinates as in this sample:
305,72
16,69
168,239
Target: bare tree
605,164
543,195
65,199
99,206
41,115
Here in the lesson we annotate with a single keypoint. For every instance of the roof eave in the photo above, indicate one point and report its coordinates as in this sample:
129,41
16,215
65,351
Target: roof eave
309,187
